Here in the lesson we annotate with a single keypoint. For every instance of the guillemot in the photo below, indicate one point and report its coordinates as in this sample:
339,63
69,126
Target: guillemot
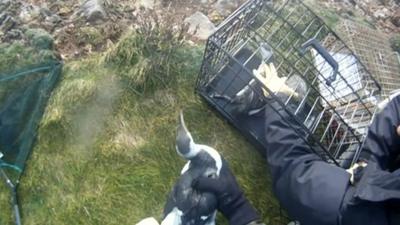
185,205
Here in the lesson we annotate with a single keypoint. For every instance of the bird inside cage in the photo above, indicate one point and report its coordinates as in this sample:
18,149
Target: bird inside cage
250,98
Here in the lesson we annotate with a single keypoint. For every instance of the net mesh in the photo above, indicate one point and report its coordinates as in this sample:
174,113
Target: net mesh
23,97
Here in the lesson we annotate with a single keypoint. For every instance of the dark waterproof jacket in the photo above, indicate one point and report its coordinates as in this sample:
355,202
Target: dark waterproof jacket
317,193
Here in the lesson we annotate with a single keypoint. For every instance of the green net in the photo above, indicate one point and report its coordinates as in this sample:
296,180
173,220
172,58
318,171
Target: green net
23,97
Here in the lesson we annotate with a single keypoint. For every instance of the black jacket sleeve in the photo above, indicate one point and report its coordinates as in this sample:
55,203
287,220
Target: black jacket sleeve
310,189
382,144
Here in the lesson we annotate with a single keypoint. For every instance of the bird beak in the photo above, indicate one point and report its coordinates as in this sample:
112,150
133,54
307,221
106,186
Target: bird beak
182,124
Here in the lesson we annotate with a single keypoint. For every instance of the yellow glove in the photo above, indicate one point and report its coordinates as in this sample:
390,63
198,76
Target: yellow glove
267,75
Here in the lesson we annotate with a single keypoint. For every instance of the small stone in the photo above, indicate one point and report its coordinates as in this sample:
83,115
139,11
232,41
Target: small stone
3,17
45,12
382,13
6,23
200,26
109,44
395,19
54,19
14,34
28,13
4,2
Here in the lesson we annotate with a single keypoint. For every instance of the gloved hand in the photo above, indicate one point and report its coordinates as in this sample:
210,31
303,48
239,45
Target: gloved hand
268,75
231,200
356,172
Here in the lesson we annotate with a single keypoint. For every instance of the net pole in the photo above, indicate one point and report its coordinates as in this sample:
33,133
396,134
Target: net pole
13,189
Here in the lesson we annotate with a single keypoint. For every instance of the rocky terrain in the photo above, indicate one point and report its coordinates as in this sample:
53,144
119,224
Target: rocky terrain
93,25
81,27
385,14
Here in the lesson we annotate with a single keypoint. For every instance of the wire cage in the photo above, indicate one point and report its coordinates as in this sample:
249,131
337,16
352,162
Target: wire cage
373,49
338,95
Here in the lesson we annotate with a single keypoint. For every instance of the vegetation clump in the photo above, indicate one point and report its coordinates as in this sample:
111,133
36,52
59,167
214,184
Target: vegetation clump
149,57
18,55
40,39
90,35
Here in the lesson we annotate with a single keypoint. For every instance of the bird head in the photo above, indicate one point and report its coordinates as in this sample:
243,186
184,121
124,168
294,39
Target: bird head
185,145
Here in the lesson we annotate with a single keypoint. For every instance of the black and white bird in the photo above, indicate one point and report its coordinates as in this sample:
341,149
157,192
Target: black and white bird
186,206
246,101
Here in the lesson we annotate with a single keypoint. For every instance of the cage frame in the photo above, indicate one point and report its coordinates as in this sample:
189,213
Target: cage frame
243,13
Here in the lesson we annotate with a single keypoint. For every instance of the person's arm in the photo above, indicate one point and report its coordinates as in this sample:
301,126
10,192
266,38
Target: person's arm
382,144
232,202
380,179
310,189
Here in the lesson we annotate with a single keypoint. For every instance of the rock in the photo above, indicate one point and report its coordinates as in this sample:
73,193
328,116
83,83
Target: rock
3,17
395,19
7,22
226,7
29,13
11,35
93,10
45,12
51,22
14,34
54,19
395,43
384,2
200,26
109,44
147,4
382,13
4,4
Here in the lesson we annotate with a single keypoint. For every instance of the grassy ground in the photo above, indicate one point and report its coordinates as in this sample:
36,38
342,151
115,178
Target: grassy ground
106,155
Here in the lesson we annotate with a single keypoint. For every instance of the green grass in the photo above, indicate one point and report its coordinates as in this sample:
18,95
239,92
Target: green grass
105,155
